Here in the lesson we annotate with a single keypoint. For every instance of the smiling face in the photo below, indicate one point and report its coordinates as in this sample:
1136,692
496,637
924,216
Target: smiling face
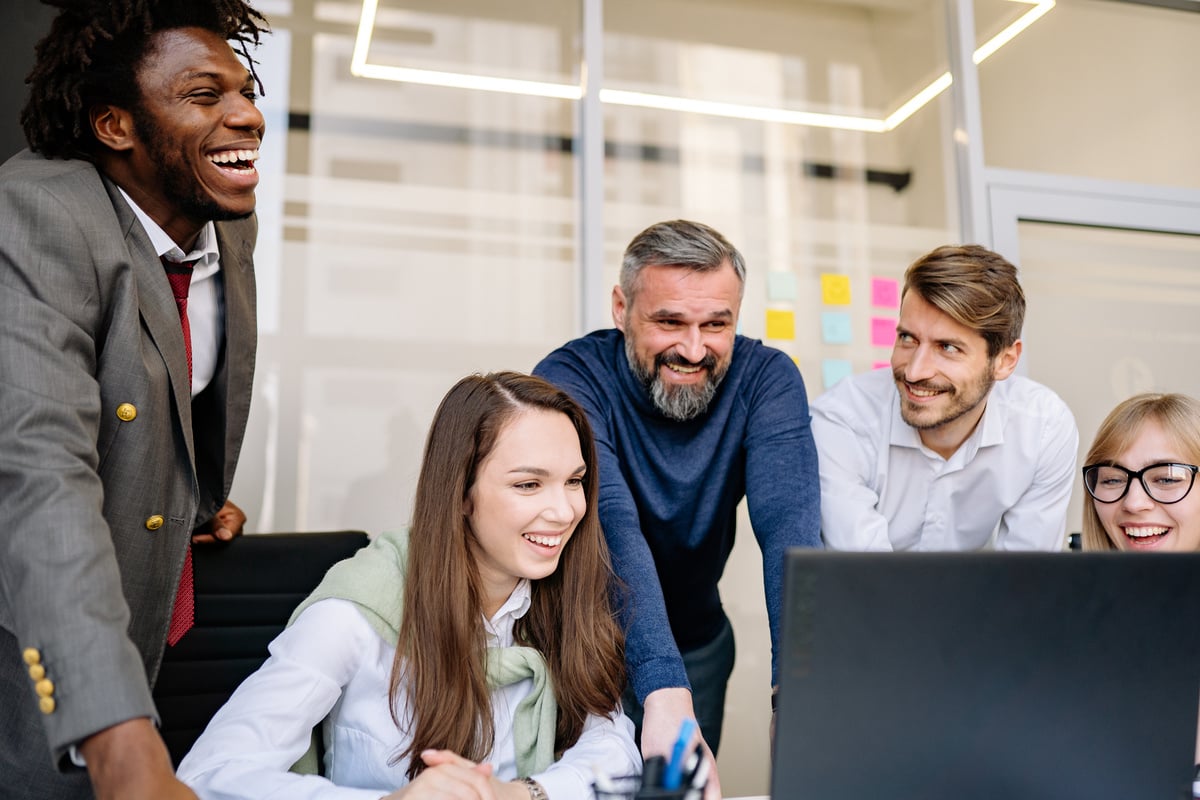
679,334
527,498
943,373
1136,521
186,152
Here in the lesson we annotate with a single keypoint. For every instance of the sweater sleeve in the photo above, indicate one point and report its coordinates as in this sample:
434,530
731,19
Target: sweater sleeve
782,484
651,654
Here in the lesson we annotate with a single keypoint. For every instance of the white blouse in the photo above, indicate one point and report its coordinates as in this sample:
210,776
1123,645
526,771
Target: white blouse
330,662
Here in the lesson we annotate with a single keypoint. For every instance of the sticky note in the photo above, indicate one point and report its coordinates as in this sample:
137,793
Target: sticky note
781,324
883,331
834,369
882,365
836,328
835,289
885,292
781,286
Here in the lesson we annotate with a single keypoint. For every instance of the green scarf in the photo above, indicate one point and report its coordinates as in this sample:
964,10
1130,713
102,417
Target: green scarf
373,579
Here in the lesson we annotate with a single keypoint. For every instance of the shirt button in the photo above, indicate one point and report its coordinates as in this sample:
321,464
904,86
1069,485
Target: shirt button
154,523
36,672
31,656
44,687
126,412
46,704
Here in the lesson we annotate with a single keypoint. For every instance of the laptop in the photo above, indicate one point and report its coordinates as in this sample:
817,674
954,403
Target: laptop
988,676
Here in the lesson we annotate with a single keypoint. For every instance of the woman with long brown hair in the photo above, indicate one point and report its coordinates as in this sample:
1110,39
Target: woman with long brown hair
476,656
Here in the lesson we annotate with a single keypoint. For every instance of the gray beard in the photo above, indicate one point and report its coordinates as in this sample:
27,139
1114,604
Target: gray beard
680,403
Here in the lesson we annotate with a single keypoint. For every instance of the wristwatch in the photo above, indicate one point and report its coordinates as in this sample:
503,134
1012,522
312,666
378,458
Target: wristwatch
536,792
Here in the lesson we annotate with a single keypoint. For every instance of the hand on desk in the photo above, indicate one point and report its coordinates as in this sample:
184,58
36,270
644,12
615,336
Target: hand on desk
129,762
449,775
662,714
227,524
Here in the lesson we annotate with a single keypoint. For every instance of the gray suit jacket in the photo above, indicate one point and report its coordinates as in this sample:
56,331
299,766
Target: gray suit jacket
88,325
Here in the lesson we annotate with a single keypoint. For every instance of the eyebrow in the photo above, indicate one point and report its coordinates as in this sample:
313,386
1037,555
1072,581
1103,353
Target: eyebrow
543,473
663,313
961,344
200,75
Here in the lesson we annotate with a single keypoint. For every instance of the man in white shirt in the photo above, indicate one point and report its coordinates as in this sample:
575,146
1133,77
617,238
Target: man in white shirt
950,451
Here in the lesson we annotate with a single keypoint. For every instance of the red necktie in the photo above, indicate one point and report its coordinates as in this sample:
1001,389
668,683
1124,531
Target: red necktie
179,275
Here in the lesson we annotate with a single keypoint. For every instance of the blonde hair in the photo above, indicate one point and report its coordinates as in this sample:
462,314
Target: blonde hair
1179,416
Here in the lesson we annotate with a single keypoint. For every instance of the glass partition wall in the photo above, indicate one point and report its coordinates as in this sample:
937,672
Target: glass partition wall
427,196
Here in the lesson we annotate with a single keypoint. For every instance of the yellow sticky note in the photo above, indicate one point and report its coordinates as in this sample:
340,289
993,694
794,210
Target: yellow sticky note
835,289
781,324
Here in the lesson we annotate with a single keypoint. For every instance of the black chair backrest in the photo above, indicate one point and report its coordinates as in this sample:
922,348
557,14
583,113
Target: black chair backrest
245,592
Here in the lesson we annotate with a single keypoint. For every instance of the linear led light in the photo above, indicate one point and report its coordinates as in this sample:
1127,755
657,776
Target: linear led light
566,91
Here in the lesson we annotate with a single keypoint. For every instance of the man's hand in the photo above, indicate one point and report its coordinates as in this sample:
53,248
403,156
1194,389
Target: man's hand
662,714
449,775
130,762
227,524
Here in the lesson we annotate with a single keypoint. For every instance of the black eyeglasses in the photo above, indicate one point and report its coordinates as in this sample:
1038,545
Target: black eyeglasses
1165,483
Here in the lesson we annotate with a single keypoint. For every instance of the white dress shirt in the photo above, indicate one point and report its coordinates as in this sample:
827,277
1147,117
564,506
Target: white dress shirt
1007,485
206,311
331,662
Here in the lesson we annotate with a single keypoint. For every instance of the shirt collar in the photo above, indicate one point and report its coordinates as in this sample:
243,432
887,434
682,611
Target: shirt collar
205,252
499,627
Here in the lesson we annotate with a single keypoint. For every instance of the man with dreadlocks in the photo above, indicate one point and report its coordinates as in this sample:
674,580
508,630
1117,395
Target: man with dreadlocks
122,404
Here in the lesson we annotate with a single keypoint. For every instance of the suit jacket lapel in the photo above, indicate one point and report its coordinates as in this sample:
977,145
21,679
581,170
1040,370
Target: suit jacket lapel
156,305
241,336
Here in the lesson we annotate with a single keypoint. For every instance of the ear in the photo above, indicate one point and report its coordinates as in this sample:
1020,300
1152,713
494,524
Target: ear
619,305
113,127
1004,363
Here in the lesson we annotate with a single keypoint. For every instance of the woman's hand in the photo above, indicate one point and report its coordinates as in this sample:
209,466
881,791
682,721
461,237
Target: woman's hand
449,775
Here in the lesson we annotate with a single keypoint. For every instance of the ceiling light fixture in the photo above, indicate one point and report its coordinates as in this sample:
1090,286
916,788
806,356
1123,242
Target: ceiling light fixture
458,80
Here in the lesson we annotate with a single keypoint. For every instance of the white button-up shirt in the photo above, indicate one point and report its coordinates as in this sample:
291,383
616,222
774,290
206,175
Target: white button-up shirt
332,662
1007,485
205,310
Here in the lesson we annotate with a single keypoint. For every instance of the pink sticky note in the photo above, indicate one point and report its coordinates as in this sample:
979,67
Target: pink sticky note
885,292
882,365
883,331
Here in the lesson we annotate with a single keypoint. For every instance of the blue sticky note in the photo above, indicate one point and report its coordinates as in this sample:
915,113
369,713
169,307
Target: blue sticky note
781,286
834,369
836,327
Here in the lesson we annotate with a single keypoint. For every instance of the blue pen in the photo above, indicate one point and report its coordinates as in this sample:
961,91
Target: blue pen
674,774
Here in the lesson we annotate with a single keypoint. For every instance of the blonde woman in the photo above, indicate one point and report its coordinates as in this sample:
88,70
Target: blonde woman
1140,473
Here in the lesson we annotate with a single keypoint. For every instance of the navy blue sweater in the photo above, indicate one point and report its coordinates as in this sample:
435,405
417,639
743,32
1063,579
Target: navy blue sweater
669,491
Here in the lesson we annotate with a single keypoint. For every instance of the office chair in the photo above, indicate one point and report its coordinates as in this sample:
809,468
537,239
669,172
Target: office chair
245,592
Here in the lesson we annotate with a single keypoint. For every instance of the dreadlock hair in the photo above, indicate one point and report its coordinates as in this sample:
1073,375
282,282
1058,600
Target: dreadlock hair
92,54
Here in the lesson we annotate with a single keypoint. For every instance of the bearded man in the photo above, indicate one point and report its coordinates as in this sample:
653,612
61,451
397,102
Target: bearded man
689,418
949,451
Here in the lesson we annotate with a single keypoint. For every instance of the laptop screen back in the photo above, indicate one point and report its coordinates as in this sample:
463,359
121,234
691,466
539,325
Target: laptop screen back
1005,676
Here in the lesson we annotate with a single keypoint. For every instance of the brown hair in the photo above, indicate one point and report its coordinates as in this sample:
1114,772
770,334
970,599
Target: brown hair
1179,416
975,287
440,656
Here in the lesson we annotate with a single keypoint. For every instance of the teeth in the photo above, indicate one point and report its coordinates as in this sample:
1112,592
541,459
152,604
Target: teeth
683,369
923,392
546,541
1144,531
232,156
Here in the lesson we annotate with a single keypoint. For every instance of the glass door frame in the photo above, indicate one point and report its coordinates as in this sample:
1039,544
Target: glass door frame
1015,196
